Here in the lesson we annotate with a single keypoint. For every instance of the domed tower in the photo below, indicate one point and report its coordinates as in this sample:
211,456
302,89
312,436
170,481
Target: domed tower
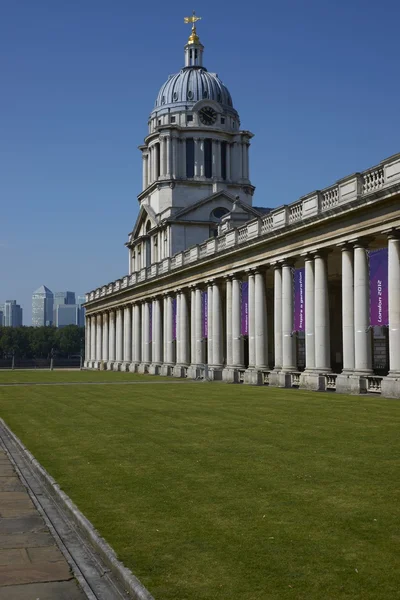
195,163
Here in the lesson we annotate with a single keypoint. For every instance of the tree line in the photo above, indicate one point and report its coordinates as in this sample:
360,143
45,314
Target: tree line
41,342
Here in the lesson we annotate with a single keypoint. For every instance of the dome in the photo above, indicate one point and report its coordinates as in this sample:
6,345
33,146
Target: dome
189,86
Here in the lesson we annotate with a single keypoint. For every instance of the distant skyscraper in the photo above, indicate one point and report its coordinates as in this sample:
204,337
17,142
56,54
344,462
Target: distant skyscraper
64,298
81,300
66,314
1,315
12,314
42,307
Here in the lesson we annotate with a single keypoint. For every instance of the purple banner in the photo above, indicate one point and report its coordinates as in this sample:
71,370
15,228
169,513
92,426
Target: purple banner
244,309
299,305
174,318
378,287
150,321
204,314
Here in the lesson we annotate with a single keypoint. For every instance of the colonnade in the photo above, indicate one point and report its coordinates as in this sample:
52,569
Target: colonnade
165,158
166,334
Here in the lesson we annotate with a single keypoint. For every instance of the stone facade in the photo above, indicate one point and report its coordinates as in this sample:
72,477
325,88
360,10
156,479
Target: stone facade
153,319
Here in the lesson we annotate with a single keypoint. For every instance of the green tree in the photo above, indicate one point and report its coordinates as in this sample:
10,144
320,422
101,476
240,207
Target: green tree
69,339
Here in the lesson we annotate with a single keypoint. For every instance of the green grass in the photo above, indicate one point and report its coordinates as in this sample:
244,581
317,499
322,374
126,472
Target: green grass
227,492
47,376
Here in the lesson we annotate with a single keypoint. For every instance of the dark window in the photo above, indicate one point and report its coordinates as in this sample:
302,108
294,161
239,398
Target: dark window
208,158
219,212
157,161
222,120
195,54
173,119
223,160
189,118
159,121
190,157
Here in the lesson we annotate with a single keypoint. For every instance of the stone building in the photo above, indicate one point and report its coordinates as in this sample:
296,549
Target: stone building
220,289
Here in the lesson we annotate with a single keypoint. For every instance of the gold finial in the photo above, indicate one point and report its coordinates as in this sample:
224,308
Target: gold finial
193,38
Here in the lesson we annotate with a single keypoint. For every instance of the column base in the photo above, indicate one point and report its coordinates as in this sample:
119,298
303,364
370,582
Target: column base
154,369
110,365
143,368
125,366
133,367
96,365
196,372
233,374
253,377
213,373
313,380
166,370
351,383
116,365
180,371
390,385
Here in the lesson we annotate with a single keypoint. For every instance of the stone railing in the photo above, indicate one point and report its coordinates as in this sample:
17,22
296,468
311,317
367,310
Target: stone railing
333,198
374,384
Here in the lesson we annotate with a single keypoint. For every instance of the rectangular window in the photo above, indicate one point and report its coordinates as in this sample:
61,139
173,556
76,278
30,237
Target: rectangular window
222,120
173,119
223,160
157,161
159,121
208,158
189,118
190,157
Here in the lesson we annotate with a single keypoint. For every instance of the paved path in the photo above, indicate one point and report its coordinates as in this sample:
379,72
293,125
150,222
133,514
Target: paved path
164,382
31,565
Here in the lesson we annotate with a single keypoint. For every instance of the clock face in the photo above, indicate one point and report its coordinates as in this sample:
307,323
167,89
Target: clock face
207,115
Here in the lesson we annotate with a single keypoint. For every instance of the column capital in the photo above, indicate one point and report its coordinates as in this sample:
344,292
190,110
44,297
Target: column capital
322,252
393,233
361,241
343,246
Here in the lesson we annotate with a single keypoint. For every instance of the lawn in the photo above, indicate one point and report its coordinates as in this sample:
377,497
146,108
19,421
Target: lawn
70,376
225,492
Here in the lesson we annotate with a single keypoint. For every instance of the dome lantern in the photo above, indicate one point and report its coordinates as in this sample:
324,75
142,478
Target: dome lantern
194,48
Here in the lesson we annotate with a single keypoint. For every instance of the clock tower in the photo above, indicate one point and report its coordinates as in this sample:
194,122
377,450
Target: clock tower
195,163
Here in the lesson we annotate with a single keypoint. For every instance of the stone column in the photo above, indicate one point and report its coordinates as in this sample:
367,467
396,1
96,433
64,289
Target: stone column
214,159
174,157
261,332
198,153
244,160
218,159
99,340
157,333
394,305
105,338
348,308
228,161
229,341
362,334
93,338
145,171
278,317
111,337
137,340
210,324
169,157
119,336
87,339
146,349
288,341
309,309
169,358
178,328
199,353
184,329
127,335
322,325
237,340
252,322
193,324
217,326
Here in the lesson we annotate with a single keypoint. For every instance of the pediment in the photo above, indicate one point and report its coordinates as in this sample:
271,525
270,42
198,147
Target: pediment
146,213
201,210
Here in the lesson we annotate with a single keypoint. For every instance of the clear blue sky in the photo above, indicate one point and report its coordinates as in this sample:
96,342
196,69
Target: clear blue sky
317,82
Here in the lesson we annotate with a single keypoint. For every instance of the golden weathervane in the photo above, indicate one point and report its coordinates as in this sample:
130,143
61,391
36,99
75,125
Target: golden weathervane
193,38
